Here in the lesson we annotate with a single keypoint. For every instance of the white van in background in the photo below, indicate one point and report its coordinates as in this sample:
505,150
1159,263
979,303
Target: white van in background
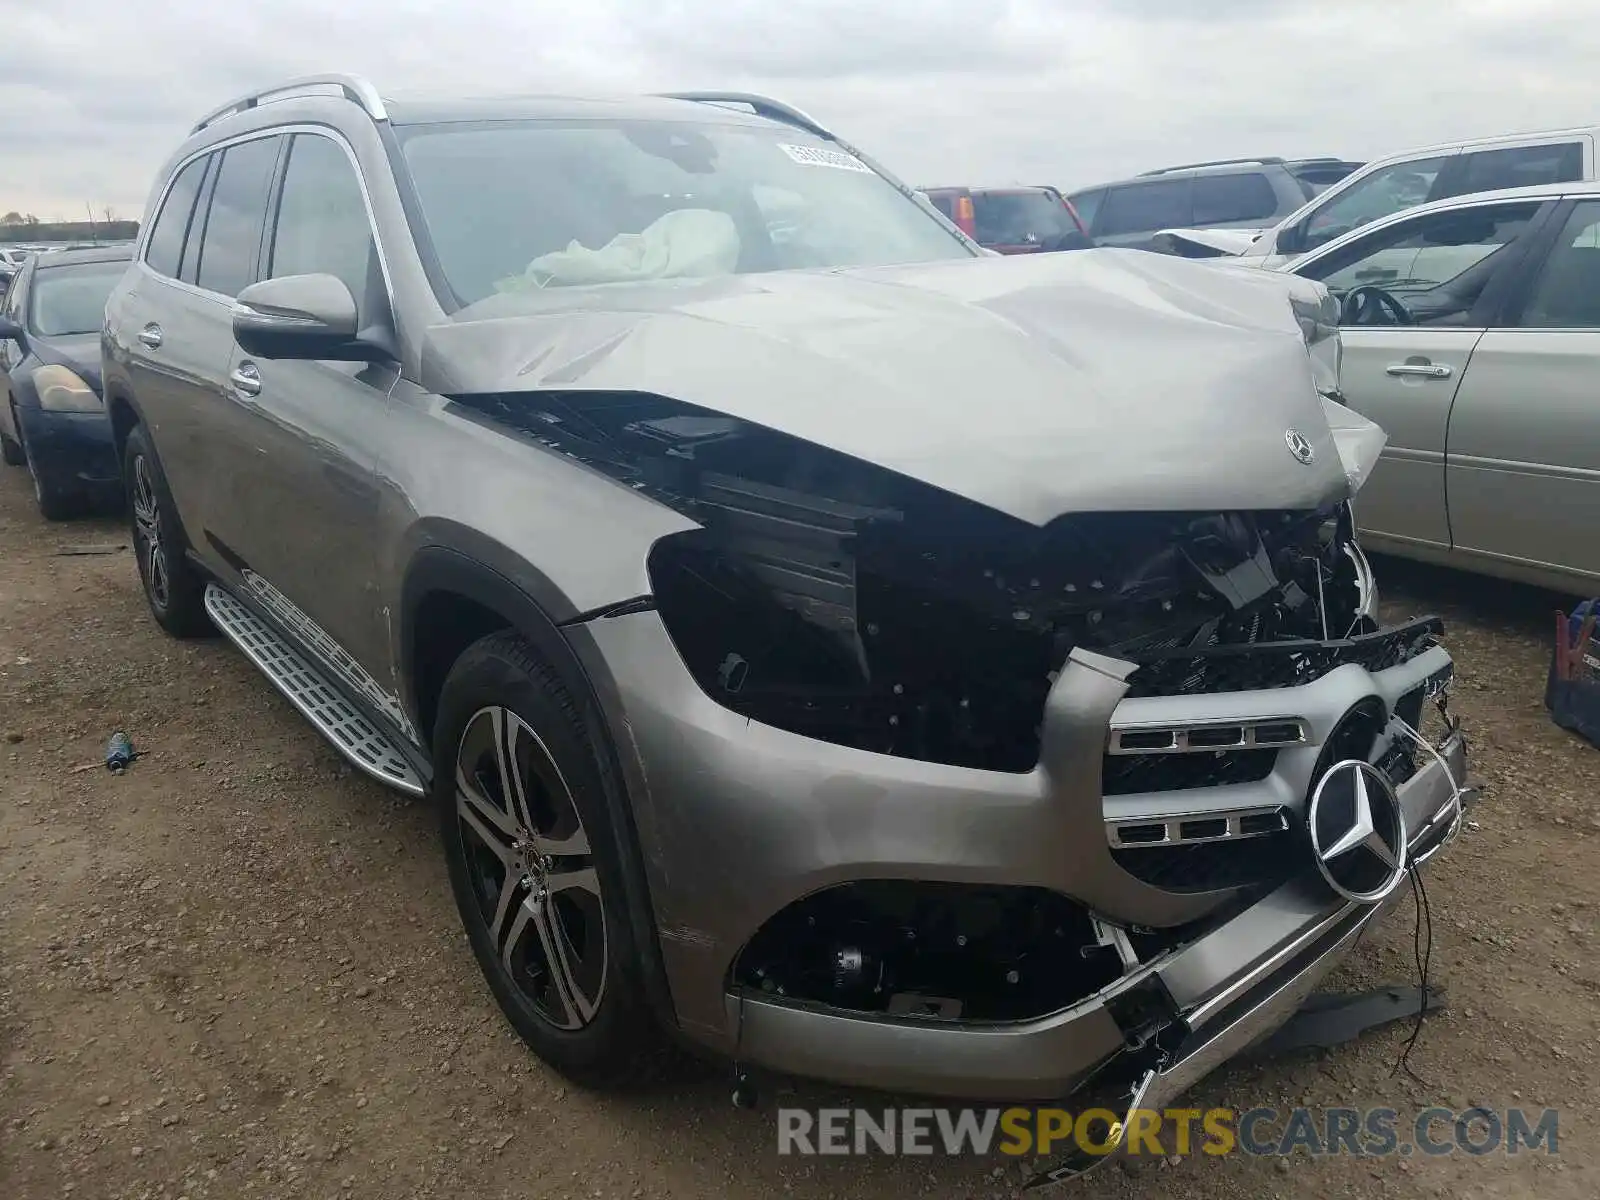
1400,181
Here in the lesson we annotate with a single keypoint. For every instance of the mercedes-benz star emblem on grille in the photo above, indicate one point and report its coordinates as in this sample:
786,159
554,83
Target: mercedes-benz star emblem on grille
1300,446
1358,832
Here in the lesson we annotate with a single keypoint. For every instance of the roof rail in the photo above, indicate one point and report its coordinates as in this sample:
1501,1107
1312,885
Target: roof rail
1269,160
762,106
355,89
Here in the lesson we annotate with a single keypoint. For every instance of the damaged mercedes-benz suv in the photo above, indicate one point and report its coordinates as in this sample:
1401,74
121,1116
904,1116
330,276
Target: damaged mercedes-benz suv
867,658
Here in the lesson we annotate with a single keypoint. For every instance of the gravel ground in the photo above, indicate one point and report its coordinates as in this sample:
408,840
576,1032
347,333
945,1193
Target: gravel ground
236,970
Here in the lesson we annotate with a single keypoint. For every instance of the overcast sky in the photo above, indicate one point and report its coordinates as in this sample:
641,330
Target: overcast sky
1069,92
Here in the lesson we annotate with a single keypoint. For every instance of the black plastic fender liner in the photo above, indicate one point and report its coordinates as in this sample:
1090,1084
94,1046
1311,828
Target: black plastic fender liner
436,569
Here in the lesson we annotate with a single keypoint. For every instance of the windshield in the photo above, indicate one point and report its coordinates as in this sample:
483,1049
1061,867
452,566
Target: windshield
515,206
72,299
1021,218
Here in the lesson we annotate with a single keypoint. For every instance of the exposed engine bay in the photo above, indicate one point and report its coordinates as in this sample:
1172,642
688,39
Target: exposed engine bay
845,602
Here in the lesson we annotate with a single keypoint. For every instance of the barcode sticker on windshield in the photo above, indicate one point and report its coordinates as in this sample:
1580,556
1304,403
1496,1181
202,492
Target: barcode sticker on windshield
817,156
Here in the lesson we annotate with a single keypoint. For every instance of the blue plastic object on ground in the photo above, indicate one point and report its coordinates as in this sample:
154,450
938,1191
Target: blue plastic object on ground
119,752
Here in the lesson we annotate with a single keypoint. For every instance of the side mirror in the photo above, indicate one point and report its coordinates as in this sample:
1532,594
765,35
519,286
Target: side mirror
300,316
10,331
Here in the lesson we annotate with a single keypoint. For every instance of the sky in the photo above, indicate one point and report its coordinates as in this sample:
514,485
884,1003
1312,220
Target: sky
1068,92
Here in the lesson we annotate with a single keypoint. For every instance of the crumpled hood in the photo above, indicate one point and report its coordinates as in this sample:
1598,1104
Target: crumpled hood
1102,380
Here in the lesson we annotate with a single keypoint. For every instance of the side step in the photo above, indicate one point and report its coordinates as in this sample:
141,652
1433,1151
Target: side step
355,737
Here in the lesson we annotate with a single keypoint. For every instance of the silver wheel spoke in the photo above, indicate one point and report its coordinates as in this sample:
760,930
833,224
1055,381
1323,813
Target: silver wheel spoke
506,731
581,879
508,895
574,844
493,828
574,1004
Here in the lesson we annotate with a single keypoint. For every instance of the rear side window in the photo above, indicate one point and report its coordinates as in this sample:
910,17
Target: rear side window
237,214
1144,207
1219,199
165,246
1519,166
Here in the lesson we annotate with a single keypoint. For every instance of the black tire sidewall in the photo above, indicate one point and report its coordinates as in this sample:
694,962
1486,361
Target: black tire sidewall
503,671
183,615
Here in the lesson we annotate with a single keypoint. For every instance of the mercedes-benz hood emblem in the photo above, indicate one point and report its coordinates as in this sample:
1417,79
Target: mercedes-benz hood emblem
1299,446
1358,832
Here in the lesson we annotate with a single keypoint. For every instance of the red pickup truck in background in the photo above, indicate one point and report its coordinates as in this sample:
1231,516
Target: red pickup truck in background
1013,220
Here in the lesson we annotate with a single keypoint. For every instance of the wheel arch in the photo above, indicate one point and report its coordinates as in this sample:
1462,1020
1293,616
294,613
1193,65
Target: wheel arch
124,414
448,601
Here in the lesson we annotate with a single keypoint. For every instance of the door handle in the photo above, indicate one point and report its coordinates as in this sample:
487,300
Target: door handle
1418,370
150,335
246,379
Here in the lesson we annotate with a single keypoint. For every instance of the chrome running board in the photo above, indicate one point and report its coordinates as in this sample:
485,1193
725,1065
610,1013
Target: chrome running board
367,748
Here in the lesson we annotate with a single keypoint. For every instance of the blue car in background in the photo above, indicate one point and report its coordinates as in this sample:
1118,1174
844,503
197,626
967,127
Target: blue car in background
52,419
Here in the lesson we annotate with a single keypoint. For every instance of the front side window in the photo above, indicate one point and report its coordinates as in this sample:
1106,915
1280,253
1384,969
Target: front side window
165,247
72,299
1020,218
1430,270
522,206
1386,191
1566,294
322,225
1145,208
1223,199
237,213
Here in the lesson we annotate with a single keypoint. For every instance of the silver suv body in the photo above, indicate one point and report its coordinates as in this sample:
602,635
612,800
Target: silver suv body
1244,194
869,658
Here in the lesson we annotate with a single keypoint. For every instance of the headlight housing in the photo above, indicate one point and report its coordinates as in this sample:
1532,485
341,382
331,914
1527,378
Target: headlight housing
65,391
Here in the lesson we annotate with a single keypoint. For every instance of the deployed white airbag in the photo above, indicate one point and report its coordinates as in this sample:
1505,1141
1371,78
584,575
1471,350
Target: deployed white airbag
687,243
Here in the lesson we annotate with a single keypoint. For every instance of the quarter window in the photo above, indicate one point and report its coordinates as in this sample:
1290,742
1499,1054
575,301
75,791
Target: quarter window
165,247
1087,205
236,216
322,226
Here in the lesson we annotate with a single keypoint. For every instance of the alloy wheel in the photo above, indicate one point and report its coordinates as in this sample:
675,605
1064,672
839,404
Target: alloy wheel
531,868
147,533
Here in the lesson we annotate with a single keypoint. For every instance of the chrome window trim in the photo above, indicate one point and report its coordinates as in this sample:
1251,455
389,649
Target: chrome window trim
254,135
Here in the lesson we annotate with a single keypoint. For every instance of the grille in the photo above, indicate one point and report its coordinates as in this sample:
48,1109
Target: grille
1262,665
1265,860
1212,866
1129,774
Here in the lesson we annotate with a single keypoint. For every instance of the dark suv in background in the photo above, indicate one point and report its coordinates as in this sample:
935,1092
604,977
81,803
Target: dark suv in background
1013,220
1252,193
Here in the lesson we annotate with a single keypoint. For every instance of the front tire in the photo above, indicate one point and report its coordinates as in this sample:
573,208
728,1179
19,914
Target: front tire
520,793
173,588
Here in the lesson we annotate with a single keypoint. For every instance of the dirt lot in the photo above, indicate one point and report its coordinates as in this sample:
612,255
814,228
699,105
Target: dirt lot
236,971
